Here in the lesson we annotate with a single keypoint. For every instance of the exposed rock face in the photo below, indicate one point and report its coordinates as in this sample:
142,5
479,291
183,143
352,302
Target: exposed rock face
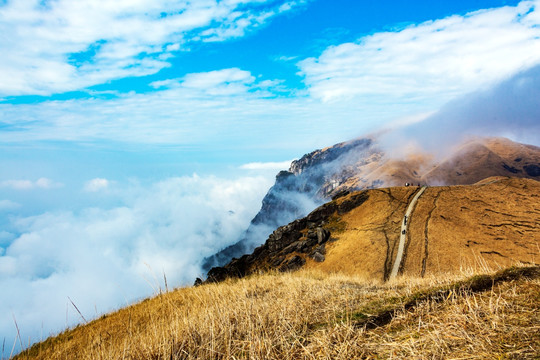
287,248
317,256
310,181
295,263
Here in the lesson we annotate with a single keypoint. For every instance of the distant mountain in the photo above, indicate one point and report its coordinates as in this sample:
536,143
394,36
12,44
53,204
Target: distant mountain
362,164
478,159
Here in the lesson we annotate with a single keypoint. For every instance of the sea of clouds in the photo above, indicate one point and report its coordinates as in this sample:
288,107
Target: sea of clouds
103,258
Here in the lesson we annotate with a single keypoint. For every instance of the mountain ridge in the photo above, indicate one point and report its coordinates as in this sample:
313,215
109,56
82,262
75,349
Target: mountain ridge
492,223
362,164
319,287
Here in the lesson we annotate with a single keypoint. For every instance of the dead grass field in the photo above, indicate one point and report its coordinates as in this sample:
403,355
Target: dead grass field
315,315
367,243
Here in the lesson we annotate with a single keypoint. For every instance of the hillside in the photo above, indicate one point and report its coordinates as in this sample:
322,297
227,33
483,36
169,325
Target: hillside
309,315
492,224
363,164
465,164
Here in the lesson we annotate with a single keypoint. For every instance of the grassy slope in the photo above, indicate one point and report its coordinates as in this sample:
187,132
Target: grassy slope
492,224
307,315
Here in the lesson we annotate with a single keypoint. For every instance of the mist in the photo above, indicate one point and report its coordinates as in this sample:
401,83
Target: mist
104,258
508,109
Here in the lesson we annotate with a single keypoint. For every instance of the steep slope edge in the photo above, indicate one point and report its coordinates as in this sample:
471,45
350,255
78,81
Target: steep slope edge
308,183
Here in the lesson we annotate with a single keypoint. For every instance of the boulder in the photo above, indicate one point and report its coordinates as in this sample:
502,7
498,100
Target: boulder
294,263
317,256
322,235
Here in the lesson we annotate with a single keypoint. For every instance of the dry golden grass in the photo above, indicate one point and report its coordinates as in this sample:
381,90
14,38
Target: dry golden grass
496,223
491,225
314,315
370,235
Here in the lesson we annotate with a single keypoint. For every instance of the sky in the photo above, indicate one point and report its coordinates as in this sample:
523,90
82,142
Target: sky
137,137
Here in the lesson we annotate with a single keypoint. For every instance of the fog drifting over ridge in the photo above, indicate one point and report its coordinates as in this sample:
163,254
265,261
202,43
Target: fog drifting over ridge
509,109
103,258
106,257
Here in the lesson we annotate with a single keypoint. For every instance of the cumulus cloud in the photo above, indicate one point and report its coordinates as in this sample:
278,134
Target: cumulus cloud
96,184
101,256
41,183
219,107
407,72
57,46
225,82
440,59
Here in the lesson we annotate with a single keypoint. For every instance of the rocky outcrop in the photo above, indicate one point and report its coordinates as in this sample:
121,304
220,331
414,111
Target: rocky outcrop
309,182
288,247
495,222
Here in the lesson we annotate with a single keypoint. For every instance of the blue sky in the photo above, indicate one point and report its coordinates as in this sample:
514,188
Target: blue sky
76,92
130,90
138,136
303,31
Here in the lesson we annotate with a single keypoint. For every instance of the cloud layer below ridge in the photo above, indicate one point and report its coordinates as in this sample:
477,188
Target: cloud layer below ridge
103,257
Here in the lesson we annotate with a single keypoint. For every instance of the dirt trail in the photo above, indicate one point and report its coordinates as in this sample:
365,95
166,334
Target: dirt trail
403,234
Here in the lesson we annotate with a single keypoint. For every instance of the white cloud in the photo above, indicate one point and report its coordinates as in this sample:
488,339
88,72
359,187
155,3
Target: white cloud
44,183
17,184
284,58
228,106
96,184
63,45
41,183
435,59
282,165
98,257
7,205
208,80
416,70
509,109
225,82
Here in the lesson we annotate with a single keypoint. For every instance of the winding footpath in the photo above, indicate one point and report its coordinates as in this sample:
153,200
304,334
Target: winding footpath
403,232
